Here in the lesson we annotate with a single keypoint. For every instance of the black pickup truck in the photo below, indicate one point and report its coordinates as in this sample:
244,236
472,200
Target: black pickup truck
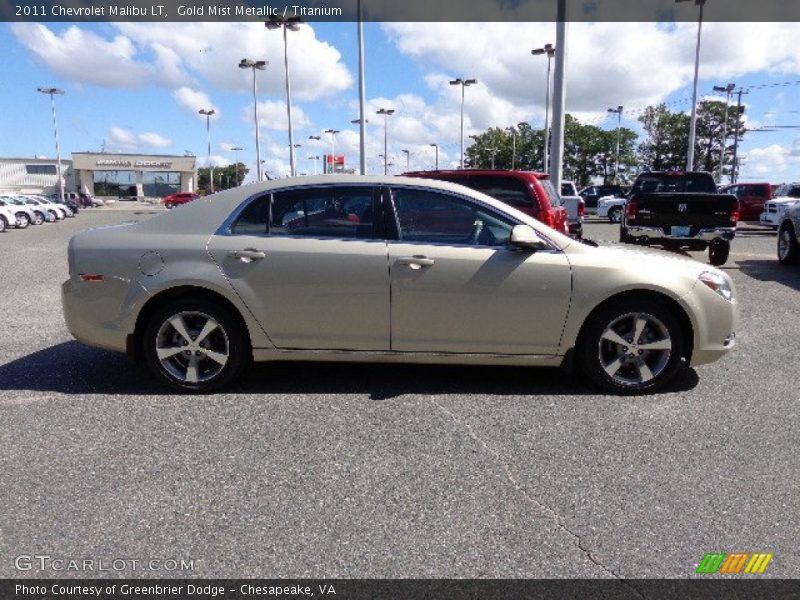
680,210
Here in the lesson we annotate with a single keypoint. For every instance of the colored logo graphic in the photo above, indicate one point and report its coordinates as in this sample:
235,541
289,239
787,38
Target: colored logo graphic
721,562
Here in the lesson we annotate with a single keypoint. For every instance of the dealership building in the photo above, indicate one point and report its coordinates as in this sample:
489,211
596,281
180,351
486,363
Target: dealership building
101,174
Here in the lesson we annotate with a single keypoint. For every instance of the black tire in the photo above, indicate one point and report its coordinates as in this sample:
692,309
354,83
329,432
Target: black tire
718,252
23,220
38,218
615,214
229,338
56,216
788,248
168,206
639,370
3,224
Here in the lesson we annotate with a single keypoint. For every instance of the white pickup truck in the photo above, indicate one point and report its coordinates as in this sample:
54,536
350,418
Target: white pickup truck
611,208
575,207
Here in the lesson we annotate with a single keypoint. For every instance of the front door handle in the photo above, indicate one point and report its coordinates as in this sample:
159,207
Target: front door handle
416,262
247,255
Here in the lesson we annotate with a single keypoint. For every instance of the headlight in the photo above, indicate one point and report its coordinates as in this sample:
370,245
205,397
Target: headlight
719,283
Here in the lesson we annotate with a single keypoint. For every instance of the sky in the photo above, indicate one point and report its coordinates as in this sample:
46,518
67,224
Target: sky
137,87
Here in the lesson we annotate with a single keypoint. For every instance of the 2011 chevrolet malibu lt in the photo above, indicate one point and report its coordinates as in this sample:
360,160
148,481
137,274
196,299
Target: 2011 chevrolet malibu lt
352,268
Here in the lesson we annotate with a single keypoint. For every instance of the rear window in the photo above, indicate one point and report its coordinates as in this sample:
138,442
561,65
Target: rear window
509,190
550,190
657,183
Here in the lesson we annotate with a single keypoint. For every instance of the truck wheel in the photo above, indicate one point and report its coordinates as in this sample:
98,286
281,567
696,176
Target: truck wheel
718,252
624,238
788,248
615,214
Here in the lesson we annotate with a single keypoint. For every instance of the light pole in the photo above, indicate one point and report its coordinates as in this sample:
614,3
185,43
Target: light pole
618,112
513,145
293,24
56,92
408,159
237,149
386,112
556,161
333,133
550,51
315,159
728,89
362,129
208,114
464,83
693,118
735,167
317,138
255,65
437,154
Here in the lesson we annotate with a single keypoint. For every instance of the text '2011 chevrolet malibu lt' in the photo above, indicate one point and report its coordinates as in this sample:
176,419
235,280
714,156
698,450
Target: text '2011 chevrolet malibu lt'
391,269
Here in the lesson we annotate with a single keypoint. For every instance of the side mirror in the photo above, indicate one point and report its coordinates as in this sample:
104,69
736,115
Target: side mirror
525,237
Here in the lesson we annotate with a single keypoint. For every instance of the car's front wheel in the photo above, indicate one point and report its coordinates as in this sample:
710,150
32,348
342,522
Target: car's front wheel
3,224
615,214
23,220
631,347
38,218
788,248
195,345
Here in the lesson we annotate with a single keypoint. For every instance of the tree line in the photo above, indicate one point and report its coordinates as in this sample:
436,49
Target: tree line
590,153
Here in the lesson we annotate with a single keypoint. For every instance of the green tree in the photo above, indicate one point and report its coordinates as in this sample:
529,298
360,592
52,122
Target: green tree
224,177
525,146
667,139
708,141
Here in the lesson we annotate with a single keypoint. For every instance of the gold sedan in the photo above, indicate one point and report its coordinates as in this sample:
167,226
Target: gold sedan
389,269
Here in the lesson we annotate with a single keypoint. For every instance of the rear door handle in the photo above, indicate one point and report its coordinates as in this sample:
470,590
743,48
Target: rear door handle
247,255
416,262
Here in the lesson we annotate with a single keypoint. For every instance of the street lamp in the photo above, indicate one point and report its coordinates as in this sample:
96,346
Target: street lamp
693,118
54,92
408,159
288,24
386,112
463,83
550,51
315,159
333,133
255,65
208,114
513,145
237,149
437,154
728,89
618,112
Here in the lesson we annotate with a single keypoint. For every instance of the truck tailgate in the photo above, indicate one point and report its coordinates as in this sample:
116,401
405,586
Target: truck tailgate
677,209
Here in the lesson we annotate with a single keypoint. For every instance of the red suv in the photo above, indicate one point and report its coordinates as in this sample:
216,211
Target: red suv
179,198
751,196
529,192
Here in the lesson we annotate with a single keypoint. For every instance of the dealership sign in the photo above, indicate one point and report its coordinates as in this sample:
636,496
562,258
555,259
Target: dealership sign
110,162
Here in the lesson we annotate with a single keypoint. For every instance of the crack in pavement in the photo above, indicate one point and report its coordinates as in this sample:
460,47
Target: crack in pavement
559,520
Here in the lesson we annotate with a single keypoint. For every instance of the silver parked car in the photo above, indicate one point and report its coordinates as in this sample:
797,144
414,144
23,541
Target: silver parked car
386,269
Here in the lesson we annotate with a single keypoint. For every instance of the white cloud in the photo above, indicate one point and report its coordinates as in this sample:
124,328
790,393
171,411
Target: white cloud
119,139
217,160
194,100
272,115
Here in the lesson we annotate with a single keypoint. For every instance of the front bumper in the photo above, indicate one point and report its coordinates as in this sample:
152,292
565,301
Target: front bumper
699,235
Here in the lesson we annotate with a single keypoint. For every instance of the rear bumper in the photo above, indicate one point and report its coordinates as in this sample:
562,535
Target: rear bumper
703,235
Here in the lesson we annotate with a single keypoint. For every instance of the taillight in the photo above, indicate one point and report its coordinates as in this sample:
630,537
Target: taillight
548,218
581,208
735,213
91,277
630,209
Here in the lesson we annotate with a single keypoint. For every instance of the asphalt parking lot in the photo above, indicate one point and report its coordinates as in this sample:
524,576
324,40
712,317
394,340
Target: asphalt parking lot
345,470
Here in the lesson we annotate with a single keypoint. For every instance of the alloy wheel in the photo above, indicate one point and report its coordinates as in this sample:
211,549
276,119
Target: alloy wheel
192,347
634,349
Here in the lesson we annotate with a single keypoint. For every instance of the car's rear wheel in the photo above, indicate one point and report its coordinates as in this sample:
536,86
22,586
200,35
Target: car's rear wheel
615,214
718,252
38,218
23,220
788,248
195,345
631,347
